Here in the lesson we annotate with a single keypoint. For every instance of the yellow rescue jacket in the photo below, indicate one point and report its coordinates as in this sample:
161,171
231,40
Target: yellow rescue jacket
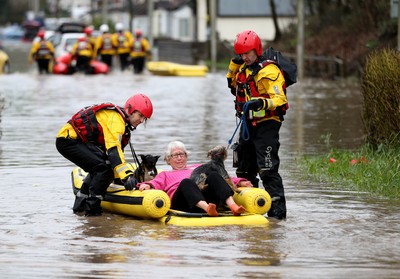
123,41
104,45
141,47
82,48
41,50
113,126
269,83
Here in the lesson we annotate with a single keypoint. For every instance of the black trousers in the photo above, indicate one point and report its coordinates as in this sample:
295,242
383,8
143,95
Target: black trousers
138,64
91,159
43,65
188,193
83,64
107,58
259,155
124,61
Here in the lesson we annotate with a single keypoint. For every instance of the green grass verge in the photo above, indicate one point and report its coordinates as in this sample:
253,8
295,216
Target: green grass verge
374,171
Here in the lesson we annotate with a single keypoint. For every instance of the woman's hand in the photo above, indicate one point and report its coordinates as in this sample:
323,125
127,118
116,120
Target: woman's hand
144,186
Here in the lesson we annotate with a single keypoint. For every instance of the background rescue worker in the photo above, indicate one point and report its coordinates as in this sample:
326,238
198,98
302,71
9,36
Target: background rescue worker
141,49
104,46
88,32
82,51
43,52
94,139
259,92
124,42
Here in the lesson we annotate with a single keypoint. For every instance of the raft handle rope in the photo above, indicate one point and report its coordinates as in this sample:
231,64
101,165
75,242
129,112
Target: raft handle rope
245,130
135,158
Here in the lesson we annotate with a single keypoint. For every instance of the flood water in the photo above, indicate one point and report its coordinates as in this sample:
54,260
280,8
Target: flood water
329,233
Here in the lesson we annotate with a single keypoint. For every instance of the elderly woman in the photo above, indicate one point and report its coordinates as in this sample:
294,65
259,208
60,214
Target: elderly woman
184,193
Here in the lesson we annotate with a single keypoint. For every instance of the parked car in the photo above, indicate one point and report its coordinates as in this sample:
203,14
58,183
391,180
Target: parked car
5,66
63,43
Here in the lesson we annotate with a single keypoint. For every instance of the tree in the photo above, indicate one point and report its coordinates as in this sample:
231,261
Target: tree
278,32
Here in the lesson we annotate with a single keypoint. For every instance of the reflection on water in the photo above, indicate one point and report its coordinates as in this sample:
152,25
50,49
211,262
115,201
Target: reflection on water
328,233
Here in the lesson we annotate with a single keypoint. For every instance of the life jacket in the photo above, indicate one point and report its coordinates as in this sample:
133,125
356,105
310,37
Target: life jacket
84,48
88,129
43,51
107,43
121,39
246,90
138,46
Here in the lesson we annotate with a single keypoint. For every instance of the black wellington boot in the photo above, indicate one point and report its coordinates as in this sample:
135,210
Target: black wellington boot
93,206
80,201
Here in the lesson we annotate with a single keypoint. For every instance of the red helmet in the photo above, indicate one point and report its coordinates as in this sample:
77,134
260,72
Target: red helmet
87,31
40,34
246,41
138,32
141,103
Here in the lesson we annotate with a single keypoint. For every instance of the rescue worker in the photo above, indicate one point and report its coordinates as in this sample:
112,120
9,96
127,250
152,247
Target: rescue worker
82,52
88,32
43,52
94,139
104,46
124,42
259,88
140,49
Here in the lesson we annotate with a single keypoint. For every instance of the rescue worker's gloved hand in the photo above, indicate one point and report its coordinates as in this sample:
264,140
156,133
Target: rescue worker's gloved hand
233,69
231,87
130,183
256,104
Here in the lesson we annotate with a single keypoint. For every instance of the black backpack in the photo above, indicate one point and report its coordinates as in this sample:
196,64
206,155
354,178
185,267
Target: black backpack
288,67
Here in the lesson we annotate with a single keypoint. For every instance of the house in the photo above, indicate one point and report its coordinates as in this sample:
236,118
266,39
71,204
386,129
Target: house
187,22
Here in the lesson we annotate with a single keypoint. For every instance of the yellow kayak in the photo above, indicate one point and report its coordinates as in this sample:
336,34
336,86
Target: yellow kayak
165,68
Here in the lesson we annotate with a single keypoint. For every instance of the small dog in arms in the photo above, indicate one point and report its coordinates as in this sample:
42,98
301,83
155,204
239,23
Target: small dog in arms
217,155
147,169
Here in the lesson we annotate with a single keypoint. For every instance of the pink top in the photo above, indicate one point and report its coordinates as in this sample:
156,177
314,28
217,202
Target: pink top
168,181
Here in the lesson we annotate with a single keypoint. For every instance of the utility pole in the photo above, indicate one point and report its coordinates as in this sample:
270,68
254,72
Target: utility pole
398,25
150,9
213,14
300,39
104,11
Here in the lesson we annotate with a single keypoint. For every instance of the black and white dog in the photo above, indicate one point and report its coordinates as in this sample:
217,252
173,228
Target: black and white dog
217,155
147,169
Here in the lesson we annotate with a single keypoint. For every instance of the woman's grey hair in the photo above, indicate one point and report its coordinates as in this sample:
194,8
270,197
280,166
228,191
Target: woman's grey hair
173,145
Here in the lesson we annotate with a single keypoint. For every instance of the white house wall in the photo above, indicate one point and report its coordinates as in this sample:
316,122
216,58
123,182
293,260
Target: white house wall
160,24
228,28
184,14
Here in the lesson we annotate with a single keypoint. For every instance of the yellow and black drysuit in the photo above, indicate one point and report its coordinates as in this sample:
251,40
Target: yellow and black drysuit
82,51
260,94
94,139
43,52
140,50
124,43
105,48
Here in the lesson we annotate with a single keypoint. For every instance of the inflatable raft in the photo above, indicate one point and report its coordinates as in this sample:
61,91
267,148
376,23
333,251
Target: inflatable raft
155,204
62,66
165,68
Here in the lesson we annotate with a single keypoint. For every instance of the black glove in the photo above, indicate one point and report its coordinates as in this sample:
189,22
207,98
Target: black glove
130,183
256,104
231,87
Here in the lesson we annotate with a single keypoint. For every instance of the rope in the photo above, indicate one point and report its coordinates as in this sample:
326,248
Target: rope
245,130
